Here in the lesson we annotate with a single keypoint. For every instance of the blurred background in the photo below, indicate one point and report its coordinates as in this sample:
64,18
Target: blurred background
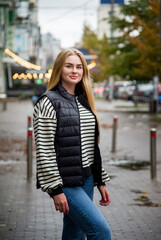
120,39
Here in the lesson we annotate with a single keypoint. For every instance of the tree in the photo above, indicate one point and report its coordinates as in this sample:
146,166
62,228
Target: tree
148,43
89,38
137,52
98,47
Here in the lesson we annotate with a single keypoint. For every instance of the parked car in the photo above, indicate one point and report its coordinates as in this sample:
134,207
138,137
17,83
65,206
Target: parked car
144,93
126,90
99,90
116,87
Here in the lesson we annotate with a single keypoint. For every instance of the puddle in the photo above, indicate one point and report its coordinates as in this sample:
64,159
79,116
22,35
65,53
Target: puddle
129,164
106,126
144,201
9,162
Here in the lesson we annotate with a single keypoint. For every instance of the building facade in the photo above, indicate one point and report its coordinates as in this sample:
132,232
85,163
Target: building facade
50,47
21,38
106,10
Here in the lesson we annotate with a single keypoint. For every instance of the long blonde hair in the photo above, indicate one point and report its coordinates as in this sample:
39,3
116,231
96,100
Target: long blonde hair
85,83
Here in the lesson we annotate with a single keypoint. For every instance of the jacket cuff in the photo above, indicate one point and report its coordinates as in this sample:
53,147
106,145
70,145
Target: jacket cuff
101,184
56,191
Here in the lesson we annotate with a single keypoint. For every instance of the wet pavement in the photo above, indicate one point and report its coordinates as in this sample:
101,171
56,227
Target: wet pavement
133,132
135,209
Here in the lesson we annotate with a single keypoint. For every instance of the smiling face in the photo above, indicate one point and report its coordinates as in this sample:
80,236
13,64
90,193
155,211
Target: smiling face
72,73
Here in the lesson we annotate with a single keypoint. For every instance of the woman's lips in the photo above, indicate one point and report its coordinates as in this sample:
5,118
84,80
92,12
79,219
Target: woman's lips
73,77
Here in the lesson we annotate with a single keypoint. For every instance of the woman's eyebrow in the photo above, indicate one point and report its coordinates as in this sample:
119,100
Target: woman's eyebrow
72,64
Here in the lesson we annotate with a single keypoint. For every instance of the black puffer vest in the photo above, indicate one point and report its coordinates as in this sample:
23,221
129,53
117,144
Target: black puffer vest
68,138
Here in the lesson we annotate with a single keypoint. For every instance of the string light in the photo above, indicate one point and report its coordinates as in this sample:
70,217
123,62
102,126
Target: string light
33,66
15,76
91,65
35,75
22,61
29,76
50,71
41,75
22,75
46,76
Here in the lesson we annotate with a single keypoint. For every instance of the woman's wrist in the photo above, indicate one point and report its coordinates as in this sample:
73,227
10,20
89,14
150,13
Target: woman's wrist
54,192
101,184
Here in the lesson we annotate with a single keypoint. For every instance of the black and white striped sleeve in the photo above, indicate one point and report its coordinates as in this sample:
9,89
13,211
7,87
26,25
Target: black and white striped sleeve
105,176
45,123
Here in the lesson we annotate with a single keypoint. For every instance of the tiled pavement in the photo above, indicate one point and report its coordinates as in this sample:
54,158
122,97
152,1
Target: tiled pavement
27,213
133,214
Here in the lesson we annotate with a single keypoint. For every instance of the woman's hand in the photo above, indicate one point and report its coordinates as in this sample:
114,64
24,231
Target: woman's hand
61,203
105,196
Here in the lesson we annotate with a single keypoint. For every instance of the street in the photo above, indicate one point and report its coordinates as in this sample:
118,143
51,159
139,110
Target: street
133,133
134,212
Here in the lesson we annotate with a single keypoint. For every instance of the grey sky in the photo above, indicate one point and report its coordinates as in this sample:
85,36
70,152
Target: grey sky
65,18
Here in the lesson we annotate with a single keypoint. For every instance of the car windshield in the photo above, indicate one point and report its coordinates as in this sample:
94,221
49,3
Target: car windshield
145,87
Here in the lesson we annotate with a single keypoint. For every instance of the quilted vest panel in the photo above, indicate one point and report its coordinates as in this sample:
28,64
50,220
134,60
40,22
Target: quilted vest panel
67,139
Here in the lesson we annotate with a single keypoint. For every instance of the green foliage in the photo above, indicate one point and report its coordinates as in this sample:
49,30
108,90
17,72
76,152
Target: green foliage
89,38
140,52
136,53
98,47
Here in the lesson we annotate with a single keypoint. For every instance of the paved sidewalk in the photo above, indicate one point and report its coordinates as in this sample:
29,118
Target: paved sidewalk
133,214
120,105
26,213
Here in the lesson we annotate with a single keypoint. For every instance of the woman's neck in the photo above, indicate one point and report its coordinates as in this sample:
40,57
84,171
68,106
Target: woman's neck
70,88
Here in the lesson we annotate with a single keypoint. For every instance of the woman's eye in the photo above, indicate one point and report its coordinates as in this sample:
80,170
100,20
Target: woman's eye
68,66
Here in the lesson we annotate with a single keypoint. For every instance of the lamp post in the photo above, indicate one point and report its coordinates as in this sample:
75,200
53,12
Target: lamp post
111,80
154,103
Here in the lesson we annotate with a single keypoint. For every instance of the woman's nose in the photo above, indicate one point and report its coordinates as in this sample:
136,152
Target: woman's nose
74,69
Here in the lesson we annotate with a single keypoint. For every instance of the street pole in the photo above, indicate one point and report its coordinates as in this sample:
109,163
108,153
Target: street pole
155,94
4,6
2,24
2,87
115,122
110,88
154,101
112,15
153,152
29,153
111,79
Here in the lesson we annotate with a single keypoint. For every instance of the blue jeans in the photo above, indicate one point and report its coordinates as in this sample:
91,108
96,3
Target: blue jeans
84,219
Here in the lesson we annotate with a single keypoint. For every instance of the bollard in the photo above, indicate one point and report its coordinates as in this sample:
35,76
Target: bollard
29,153
4,104
115,120
29,120
153,152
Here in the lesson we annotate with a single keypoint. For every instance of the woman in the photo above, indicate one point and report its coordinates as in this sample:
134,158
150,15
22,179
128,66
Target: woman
68,156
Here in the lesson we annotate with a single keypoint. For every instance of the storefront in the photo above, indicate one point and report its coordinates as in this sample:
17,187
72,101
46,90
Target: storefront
17,82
